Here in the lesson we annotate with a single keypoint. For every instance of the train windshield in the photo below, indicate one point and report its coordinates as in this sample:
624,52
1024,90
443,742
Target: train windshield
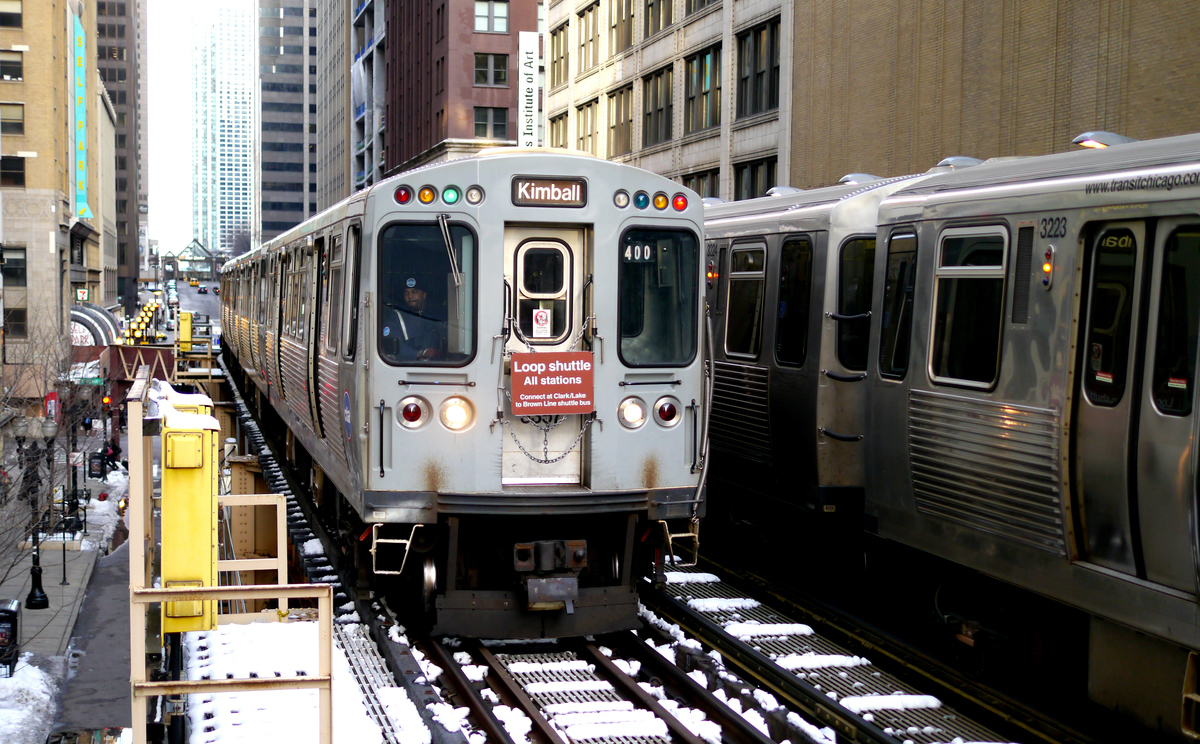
425,316
659,295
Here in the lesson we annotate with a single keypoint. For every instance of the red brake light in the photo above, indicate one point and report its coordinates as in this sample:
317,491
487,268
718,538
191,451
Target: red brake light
680,202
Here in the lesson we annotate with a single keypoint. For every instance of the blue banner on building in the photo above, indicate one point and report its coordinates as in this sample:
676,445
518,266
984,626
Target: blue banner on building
82,210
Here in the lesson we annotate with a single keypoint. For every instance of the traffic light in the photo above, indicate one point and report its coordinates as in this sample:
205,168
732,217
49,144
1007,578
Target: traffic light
106,400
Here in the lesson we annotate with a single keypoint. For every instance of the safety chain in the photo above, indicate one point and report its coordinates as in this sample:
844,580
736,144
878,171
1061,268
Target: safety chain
545,458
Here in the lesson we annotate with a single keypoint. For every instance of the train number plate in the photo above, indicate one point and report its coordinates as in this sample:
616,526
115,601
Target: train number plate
552,383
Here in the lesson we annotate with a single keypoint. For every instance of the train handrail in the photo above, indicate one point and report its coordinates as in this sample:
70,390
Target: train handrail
839,317
840,437
844,378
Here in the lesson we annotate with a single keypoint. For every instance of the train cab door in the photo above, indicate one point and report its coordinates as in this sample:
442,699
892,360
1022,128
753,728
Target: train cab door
544,269
1169,422
1107,397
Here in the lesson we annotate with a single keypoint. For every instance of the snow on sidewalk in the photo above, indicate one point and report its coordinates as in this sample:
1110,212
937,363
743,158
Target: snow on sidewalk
26,704
270,650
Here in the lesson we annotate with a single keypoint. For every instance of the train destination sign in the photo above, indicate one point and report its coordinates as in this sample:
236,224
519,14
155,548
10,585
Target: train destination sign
552,383
549,192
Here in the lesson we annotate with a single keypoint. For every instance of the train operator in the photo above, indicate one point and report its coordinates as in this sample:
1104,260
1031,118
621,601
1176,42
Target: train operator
420,336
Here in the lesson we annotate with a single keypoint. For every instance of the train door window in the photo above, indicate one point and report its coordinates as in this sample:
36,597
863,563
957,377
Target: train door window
722,252
900,282
350,311
306,288
969,306
795,294
333,295
543,266
1110,314
743,322
426,294
856,276
659,297
1178,323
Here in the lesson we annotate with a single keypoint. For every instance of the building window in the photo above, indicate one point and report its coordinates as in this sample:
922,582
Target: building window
12,66
589,38
492,16
12,171
491,69
15,323
10,13
758,70
14,267
585,127
752,179
558,131
658,15
558,56
491,123
694,5
702,94
705,183
658,95
12,118
620,122
620,32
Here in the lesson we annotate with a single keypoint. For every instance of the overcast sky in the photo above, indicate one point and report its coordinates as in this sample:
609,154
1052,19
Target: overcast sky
170,146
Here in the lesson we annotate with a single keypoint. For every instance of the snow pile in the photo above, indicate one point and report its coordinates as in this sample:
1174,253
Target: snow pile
810,660
311,547
516,723
536,667
694,721
895,701
690,577
582,685
760,630
722,604
270,650
404,715
26,702
603,719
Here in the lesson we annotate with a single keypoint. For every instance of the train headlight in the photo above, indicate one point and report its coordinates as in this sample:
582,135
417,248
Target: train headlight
621,199
666,411
632,413
474,195
413,412
457,413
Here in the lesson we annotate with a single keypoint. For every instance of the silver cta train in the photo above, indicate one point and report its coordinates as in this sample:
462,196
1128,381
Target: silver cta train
994,365
493,371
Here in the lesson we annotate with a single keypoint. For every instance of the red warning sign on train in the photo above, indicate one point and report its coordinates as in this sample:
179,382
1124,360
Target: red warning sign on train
552,383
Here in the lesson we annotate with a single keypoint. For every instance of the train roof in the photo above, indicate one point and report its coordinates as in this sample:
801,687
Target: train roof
780,205
1165,152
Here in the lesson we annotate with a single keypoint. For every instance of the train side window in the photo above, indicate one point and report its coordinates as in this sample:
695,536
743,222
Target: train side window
856,277
1178,323
333,295
969,307
743,322
895,331
350,313
1110,315
795,294
721,253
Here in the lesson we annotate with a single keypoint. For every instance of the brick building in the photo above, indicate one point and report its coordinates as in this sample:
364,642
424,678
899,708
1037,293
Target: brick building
892,87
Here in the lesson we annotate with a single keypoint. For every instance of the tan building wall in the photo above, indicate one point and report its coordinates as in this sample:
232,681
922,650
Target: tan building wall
892,86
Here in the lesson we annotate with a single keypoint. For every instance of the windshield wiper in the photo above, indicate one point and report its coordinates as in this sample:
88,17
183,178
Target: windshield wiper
443,222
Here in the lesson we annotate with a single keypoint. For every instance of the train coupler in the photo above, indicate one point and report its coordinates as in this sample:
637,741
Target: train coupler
551,572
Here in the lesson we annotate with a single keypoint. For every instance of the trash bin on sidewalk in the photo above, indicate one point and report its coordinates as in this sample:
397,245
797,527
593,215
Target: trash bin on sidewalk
97,468
10,635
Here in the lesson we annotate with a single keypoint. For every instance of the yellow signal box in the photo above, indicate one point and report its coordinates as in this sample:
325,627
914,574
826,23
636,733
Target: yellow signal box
185,331
189,516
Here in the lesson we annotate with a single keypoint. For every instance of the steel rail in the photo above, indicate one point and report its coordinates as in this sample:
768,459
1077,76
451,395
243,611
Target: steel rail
479,712
518,695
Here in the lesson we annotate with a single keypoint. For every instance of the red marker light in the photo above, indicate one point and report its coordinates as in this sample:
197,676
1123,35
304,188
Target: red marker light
412,413
404,195
666,412
680,202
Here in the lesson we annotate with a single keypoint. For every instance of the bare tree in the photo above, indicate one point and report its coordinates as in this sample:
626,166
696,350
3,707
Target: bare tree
241,243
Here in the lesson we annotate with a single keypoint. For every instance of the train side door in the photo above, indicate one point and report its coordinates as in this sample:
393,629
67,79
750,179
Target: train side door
545,269
1107,396
317,271
1167,425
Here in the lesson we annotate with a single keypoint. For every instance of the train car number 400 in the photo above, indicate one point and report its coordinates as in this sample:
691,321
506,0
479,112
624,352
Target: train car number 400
552,383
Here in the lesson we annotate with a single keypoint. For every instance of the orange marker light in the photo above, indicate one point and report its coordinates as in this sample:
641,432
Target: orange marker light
427,195
1046,268
660,201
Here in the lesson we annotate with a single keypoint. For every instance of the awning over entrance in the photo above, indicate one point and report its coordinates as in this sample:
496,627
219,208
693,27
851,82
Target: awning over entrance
92,325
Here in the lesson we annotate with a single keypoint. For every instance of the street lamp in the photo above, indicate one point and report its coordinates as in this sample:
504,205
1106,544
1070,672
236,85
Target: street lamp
36,599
